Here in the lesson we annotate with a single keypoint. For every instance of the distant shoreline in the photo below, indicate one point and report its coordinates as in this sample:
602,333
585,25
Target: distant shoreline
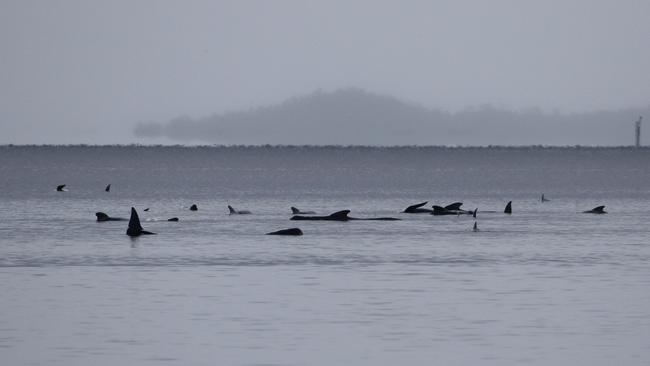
368,147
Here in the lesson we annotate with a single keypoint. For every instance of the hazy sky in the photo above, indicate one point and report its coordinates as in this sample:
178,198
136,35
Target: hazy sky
87,71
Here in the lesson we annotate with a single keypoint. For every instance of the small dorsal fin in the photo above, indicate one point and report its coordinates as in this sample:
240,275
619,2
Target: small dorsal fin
454,206
60,187
101,216
343,214
474,213
134,221
508,208
232,210
294,210
599,209
194,207
108,188
475,226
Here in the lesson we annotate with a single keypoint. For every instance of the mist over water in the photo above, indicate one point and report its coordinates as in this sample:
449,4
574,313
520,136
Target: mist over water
545,285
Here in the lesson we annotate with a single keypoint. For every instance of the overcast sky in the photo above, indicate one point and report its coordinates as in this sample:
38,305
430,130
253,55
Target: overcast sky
87,71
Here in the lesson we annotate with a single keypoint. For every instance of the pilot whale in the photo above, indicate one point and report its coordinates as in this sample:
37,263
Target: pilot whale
60,188
296,211
596,210
292,232
544,199
342,216
237,212
101,216
135,229
417,208
194,207
108,188
452,209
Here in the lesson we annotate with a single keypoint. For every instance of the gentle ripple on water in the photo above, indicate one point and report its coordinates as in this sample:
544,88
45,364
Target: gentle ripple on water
546,285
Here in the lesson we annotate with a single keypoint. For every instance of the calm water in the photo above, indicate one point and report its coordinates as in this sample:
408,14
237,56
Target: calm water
545,285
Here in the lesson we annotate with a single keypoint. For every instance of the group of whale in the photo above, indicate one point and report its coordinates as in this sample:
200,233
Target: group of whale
135,228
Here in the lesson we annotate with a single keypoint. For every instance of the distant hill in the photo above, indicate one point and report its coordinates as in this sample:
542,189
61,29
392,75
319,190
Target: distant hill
357,117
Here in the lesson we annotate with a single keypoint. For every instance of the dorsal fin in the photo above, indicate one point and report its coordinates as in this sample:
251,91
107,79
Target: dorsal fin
108,188
508,208
599,209
475,226
194,207
134,221
474,213
60,187
101,216
232,210
343,214
413,207
294,210
454,206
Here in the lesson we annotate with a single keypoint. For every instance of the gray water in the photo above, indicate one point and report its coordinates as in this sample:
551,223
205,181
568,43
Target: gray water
545,285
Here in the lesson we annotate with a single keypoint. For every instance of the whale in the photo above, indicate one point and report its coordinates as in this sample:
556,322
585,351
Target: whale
342,216
108,188
296,211
417,208
452,209
173,219
194,207
596,210
290,232
135,229
475,228
232,211
508,209
544,199
60,188
101,216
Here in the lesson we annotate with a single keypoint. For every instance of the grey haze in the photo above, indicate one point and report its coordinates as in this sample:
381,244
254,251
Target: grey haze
87,71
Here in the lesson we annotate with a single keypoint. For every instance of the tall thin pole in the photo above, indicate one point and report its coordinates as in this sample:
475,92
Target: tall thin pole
637,130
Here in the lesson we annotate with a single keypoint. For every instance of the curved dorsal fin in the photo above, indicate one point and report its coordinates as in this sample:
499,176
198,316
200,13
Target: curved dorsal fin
454,206
60,187
508,208
599,209
101,216
343,214
232,210
108,188
294,210
134,221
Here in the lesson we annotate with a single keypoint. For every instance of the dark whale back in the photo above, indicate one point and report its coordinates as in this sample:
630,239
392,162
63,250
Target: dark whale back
102,216
291,232
414,208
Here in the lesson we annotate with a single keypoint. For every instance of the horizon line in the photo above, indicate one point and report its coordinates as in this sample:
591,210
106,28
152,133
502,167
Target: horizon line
537,146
